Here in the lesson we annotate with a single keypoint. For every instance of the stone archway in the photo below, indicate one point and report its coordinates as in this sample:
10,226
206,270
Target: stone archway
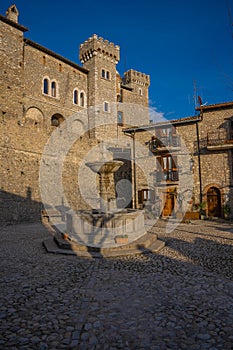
34,116
214,202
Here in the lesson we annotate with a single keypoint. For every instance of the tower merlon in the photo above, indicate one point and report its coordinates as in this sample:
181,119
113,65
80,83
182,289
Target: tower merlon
132,76
12,13
98,46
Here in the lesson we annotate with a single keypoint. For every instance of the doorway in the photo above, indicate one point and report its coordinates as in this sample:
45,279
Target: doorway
169,203
214,202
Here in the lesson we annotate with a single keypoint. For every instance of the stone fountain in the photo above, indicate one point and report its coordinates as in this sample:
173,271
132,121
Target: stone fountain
107,230
101,227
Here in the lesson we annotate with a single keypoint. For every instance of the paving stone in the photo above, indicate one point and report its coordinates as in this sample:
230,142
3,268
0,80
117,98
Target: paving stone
180,298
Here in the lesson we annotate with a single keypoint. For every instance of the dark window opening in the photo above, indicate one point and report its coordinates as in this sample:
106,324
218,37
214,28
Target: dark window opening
75,97
57,119
82,99
53,89
120,118
46,86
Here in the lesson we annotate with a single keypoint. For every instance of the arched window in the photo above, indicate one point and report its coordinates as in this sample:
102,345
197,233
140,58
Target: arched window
53,89
75,97
46,86
140,91
82,99
57,119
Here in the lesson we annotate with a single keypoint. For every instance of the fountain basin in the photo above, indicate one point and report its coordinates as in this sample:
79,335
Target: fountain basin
96,229
105,167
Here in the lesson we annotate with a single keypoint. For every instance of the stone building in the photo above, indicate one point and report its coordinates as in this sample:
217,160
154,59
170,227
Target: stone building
194,163
55,113
40,90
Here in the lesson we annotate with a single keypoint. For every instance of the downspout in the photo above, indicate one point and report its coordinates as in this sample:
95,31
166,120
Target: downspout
134,200
199,157
134,175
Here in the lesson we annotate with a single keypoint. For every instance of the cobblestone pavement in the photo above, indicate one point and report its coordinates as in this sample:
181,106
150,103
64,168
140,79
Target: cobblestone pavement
180,298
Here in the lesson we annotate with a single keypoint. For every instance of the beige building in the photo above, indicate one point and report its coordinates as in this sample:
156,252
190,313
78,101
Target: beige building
54,110
39,91
194,163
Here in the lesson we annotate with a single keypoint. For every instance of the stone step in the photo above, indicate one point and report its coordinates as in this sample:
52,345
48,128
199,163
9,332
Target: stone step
147,243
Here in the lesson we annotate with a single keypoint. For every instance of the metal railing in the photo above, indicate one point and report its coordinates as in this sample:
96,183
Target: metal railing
220,137
164,141
167,175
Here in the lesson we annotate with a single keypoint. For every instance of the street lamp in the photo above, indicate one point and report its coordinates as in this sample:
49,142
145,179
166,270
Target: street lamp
191,164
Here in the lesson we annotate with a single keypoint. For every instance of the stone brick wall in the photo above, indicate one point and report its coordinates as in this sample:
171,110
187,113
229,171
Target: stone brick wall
26,118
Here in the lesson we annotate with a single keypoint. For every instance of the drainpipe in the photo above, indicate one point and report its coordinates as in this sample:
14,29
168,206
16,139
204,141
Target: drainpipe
199,162
134,197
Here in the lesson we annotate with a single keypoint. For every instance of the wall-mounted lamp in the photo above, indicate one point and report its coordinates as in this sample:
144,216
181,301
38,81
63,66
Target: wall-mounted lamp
191,164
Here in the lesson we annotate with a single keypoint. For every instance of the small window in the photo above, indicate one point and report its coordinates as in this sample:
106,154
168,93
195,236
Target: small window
140,91
53,89
57,119
75,97
82,99
105,74
120,118
46,86
106,107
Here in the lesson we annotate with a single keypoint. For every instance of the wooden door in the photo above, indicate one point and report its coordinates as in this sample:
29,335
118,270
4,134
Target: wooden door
168,204
214,202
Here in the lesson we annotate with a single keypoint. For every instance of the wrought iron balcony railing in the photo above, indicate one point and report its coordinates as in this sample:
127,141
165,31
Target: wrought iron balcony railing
167,175
220,138
156,144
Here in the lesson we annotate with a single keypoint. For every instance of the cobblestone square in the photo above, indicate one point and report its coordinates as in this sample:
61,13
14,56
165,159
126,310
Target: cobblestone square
179,298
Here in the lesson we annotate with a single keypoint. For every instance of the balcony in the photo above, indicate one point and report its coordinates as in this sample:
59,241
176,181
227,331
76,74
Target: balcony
167,176
164,144
219,140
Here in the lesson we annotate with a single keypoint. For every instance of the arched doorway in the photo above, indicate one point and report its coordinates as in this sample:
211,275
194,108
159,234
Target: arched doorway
214,202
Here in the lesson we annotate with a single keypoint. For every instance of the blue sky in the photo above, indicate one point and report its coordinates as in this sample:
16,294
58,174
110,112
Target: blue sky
180,44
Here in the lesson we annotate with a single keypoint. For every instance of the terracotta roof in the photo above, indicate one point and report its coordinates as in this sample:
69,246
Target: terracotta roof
13,24
180,121
215,106
55,55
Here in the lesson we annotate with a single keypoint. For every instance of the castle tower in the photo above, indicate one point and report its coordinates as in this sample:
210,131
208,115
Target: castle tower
12,13
139,83
100,57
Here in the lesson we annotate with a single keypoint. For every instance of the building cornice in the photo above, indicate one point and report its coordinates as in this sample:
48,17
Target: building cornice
55,55
182,121
215,106
13,24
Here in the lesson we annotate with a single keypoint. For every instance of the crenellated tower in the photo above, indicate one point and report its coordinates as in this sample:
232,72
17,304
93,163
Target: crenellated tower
139,83
100,57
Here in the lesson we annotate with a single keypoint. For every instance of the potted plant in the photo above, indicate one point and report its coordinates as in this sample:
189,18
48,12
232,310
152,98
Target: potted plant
226,211
121,239
202,209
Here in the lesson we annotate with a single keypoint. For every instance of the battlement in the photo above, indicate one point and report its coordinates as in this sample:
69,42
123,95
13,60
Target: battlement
98,46
132,76
12,13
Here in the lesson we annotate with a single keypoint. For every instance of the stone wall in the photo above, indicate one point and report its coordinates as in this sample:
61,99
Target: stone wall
27,113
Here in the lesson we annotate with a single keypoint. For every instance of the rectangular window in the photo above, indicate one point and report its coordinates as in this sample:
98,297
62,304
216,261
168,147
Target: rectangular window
120,118
106,107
